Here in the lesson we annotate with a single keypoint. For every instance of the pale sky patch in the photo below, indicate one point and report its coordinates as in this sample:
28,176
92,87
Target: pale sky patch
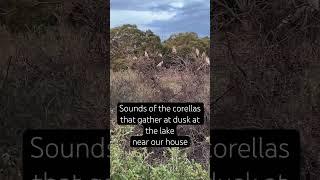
164,17
120,17
177,4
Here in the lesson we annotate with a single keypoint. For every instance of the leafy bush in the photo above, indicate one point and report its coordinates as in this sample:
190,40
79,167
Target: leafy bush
130,43
134,165
185,43
129,40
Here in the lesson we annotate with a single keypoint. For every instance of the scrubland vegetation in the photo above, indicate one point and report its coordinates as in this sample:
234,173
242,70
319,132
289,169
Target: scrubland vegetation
137,75
54,74
264,58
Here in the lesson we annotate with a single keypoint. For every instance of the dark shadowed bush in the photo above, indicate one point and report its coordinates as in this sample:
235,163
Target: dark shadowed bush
53,78
266,70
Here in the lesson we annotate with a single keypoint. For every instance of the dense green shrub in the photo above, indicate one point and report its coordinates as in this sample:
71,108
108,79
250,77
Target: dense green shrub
134,165
185,43
128,39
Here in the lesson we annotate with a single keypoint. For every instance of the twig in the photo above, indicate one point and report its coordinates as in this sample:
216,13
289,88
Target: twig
228,9
7,74
225,93
233,57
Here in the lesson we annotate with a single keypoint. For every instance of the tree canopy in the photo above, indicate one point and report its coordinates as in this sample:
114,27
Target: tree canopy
187,42
129,40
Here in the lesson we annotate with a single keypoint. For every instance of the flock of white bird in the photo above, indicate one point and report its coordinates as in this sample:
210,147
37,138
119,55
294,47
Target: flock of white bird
205,59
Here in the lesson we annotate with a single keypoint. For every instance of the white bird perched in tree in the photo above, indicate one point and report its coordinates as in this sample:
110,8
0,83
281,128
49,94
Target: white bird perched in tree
134,58
160,55
207,60
160,64
203,55
174,50
146,54
197,52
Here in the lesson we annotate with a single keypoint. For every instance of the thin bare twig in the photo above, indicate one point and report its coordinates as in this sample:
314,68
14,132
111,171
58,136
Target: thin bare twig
223,94
7,74
233,57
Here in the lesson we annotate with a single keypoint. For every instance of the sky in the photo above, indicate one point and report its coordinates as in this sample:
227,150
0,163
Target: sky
163,17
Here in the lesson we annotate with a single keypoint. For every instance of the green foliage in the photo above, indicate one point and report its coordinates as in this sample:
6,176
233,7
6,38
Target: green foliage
133,165
186,42
128,39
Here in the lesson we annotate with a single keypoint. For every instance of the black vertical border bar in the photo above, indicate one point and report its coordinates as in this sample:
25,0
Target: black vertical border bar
212,61
211,113
107,76
107,69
